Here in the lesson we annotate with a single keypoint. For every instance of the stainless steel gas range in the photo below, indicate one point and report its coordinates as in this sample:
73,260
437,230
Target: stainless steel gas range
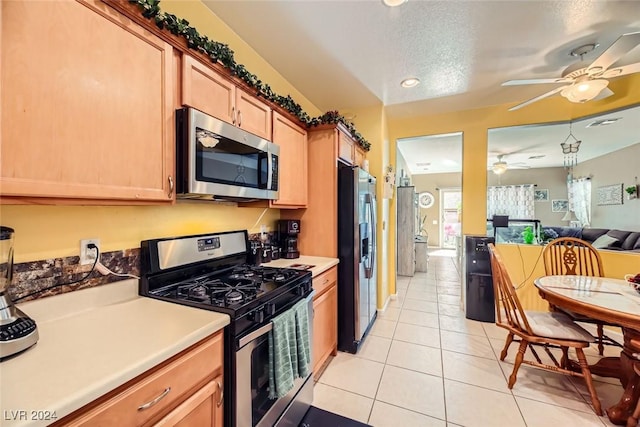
210,271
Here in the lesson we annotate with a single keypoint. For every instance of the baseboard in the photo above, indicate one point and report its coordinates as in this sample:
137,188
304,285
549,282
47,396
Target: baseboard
386,303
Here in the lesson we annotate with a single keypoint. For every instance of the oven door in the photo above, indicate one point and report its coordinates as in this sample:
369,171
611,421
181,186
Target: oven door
253,406
224,160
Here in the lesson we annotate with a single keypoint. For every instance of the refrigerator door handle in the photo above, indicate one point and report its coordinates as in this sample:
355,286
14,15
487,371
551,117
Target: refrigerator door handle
374,230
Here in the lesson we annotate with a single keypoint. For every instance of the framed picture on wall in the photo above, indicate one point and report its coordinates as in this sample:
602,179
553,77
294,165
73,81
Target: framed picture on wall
541,195
559,205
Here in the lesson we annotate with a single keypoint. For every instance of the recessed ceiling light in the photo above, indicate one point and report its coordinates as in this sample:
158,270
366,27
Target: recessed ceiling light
393,3
410,82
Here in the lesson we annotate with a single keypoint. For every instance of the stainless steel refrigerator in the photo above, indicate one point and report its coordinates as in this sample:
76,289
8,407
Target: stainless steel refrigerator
357,279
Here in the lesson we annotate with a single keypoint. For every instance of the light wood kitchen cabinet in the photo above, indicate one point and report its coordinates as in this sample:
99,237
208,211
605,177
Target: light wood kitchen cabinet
206,90
319,221
184,390
325,318
292,180
346,148
359,155
202,409
87,105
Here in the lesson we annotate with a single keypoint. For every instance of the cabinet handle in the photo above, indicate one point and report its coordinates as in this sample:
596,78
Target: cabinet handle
170,195
239,118
233,115
219,402
154,401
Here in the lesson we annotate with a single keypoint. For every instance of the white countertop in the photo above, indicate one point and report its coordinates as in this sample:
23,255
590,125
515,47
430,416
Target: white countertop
320,264
92,341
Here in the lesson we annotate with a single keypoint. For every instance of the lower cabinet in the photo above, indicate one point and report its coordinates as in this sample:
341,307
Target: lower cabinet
202,409
325,318
185,390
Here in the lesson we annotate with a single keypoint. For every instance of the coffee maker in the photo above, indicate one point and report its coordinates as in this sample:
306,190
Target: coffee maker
288,230
17,330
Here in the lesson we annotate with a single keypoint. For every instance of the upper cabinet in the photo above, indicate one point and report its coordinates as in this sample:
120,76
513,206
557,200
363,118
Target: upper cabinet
349,150
206,90
345,148
292,140
359,155
87,105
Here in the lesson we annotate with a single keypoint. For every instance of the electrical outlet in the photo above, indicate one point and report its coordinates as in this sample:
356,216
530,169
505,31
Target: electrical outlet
263,232
88,256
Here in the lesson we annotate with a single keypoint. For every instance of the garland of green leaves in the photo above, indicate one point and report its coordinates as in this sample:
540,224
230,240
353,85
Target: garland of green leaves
219,52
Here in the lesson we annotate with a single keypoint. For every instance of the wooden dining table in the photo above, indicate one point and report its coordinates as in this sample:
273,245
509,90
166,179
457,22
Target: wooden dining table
612,301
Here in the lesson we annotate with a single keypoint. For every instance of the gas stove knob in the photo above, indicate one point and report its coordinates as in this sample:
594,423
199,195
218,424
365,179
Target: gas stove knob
271,309
257,315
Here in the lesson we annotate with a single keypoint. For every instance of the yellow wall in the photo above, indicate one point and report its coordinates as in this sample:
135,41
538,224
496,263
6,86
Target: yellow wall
524,265
372,124
474,125
54,231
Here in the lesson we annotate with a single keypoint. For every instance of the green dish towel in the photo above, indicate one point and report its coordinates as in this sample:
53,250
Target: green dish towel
289,349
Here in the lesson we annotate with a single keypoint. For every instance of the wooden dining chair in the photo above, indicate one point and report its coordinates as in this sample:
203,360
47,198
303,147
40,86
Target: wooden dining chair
572,256
536,328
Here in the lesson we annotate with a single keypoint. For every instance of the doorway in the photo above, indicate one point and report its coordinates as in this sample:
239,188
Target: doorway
450,217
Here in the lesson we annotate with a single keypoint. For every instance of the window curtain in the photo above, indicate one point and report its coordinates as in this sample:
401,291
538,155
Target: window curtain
514,200
579,190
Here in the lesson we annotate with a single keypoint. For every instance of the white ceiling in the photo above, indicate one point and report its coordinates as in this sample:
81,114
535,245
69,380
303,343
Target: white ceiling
518,143
350,54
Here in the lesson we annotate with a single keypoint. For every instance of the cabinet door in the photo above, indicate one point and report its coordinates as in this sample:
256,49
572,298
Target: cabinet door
253,115
203,409
292,171
325,326
89,113
359,155
345,148
207,91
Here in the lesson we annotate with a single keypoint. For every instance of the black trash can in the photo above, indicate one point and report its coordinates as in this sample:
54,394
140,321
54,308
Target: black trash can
479,302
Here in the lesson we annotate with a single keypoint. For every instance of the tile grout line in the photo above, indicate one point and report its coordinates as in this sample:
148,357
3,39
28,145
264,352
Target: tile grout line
444,390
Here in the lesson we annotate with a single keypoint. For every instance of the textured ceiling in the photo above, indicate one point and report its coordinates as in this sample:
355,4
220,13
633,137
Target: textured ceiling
350,54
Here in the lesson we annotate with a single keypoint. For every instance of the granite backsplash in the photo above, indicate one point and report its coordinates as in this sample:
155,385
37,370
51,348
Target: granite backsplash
31,278
35,276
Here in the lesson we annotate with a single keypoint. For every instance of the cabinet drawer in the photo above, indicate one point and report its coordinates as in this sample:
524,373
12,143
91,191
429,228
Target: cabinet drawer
322,282
167,387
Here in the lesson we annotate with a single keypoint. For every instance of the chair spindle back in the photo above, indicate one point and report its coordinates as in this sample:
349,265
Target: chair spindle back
571,256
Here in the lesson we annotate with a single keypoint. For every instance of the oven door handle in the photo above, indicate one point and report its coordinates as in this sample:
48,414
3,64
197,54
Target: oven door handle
255,334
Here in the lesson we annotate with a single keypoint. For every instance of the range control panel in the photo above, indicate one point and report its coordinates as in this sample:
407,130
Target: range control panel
208,244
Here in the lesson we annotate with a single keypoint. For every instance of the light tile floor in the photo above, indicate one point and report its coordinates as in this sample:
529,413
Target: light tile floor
424,364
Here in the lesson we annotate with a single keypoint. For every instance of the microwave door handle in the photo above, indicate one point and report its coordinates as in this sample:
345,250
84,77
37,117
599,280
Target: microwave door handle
269,170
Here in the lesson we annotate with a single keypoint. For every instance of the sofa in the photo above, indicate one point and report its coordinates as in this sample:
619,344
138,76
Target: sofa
601,238
617,240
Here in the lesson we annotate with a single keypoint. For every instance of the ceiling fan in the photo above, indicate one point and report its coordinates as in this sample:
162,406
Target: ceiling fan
587,82
502,166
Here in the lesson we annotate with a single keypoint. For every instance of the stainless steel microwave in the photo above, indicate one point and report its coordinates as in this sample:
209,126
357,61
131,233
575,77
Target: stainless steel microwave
218,160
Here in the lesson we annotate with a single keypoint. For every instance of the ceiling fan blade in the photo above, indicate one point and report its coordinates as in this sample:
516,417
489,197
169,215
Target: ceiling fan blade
617,50
535,81
622,71
538,98
604,93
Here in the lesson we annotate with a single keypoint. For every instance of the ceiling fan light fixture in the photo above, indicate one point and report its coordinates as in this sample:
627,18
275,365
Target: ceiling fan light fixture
410,82
393,3
499,168
584,91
